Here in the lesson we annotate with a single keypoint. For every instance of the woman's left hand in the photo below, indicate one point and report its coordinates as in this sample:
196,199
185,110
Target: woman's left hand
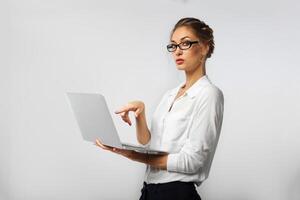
124,152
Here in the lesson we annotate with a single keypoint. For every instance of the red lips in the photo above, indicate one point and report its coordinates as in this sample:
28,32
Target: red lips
179,61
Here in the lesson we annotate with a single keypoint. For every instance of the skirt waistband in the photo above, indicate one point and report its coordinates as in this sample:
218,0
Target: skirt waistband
168,184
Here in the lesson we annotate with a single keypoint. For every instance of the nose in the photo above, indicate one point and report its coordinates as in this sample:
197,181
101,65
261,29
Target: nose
178,51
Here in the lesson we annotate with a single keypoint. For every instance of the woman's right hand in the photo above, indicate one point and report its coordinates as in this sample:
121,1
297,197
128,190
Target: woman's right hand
137,107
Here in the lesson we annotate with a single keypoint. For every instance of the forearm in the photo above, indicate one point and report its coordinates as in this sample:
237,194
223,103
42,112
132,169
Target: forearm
142,131
157,161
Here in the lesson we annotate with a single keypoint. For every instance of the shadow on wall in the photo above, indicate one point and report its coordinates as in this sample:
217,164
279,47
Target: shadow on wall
293,190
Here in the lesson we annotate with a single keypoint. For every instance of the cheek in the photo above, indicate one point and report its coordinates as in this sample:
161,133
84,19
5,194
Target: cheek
193,56
196,53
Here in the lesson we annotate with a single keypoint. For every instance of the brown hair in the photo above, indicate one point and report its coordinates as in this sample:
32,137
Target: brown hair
200,29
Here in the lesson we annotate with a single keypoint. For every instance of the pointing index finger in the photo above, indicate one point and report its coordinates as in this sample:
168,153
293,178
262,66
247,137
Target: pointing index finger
123,109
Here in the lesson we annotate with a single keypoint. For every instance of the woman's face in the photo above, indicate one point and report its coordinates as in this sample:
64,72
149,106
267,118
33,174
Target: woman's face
192,57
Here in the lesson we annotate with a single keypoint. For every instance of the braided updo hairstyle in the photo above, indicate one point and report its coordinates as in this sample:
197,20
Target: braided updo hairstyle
200,29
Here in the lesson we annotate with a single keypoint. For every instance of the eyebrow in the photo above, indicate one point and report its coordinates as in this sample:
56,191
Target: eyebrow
181,38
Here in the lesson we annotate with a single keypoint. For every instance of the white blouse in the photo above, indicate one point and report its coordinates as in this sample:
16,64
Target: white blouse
189,132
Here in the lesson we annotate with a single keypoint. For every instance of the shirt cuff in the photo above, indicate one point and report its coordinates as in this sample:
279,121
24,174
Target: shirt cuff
172,162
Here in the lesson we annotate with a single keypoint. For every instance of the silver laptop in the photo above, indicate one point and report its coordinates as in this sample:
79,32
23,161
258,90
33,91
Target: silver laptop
95,121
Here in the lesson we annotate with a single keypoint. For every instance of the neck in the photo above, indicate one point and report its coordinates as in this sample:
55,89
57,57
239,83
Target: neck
193,76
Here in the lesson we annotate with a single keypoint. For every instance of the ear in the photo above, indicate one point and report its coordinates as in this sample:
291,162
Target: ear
205,49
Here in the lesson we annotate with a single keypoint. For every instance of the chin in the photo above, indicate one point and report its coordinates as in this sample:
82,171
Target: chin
180,67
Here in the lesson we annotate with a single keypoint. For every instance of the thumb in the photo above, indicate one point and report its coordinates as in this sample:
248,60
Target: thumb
137,112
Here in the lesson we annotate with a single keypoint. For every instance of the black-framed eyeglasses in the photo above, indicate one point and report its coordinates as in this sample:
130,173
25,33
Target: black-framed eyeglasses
183,45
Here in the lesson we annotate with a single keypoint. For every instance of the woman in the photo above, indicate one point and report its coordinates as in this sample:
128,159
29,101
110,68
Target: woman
186,123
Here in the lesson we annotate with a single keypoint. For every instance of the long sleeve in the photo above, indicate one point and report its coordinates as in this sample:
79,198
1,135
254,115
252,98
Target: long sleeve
203,135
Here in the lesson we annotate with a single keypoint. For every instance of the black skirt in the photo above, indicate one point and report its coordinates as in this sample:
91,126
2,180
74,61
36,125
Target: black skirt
175,190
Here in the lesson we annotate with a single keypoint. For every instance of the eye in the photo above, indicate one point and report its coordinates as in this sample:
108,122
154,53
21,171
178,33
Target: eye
171,47
186,43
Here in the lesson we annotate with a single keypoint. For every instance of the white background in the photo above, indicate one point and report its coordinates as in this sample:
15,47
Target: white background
118,48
